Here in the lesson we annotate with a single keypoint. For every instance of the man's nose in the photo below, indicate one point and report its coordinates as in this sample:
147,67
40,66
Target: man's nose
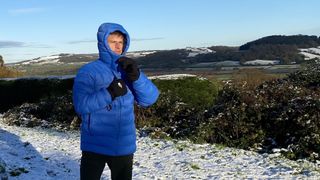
118,45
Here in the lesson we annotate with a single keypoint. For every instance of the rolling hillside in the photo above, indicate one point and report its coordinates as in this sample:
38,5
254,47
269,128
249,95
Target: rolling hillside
267,51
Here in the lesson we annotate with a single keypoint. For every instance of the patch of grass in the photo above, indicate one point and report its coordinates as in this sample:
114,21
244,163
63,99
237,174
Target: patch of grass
181,146
252,77
6,72
18,171
195,167
220,146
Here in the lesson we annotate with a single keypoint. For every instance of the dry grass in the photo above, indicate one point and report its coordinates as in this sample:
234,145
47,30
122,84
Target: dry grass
252,77
6,72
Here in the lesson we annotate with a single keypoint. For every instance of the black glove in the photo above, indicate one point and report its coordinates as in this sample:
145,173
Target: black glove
117,88
130,67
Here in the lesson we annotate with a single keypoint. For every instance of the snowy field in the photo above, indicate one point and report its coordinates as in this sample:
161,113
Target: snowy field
34,153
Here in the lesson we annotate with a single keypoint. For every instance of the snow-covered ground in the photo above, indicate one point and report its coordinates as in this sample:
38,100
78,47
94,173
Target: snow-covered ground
172,76
34,153
262,62
44,60
138,54
193,51
311,53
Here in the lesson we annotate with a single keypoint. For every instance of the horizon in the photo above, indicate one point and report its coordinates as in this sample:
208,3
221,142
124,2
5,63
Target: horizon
137,51
34,29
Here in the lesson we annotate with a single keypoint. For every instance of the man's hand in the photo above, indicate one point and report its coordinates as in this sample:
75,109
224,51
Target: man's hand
117,88
130,67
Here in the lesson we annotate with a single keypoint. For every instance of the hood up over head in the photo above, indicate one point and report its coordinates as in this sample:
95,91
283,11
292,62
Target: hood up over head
105,52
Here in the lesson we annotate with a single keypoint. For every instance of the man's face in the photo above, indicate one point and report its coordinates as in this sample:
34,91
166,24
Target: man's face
116,43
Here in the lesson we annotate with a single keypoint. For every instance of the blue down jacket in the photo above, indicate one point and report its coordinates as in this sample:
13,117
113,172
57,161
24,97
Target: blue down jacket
108,126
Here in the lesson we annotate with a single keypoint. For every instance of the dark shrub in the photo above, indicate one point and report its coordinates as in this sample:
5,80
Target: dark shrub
287,111
53,111
234,120
308,76
16,92
180,107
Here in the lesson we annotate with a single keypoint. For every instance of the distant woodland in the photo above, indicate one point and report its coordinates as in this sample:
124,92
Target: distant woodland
276,47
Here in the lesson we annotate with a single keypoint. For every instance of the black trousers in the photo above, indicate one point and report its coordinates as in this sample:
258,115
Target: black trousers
92,165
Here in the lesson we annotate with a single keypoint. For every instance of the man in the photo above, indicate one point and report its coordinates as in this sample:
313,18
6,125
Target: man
104,92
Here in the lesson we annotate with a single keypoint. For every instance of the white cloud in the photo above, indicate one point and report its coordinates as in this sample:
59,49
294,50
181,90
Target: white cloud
11,44
23,11
147,39
17,44
82,41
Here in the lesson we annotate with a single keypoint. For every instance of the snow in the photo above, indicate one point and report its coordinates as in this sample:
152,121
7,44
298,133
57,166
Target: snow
46,58
262,62
172,76
49,154
195,51
309,56
311,53
315,50
43,60
53,61
137,54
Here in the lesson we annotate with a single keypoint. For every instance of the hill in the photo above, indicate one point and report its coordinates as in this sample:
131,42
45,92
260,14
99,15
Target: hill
270,50
286,49
300,41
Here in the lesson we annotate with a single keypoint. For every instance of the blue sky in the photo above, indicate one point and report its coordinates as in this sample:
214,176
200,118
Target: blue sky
33,28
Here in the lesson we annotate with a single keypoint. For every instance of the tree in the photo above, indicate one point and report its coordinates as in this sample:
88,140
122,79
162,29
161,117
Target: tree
1,61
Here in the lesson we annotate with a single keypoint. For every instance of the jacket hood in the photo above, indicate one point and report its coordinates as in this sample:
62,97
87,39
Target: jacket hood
105,52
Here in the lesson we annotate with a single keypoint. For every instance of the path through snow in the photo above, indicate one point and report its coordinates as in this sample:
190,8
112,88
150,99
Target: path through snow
35,153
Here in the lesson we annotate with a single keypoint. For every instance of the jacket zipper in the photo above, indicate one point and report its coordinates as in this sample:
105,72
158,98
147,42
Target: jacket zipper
119,120
119,107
